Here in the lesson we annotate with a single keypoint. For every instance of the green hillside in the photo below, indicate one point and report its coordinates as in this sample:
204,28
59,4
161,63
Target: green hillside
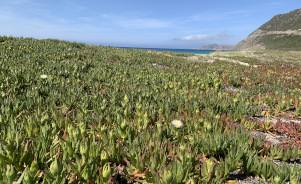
283,22
282,32
281,42
76,113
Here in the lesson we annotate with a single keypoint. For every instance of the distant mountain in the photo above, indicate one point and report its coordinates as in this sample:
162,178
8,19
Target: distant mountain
282,32
215,47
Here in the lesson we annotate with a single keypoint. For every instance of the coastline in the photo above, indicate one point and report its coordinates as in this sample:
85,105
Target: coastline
188,51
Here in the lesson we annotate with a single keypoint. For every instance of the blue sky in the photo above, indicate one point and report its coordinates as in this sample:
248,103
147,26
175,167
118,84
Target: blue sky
140,23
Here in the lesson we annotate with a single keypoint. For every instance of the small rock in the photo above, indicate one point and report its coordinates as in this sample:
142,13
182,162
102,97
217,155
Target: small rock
289,78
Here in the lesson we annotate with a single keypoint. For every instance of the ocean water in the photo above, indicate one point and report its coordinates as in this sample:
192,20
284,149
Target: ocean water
190,51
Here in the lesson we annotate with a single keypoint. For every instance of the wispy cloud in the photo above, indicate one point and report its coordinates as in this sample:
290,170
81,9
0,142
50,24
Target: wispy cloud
5,14
17,2
217,15
85,19
137,22
46,26
202,37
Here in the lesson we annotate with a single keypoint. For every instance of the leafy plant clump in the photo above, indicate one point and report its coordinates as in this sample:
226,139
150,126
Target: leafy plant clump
74,113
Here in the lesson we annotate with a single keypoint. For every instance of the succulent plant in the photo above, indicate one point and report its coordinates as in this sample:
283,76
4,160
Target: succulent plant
208,169
55,168
106,172
101,108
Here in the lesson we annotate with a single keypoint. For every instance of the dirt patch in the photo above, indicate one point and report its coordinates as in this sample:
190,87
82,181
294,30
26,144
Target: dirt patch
159,66
234,89
282,131
232,61
243,179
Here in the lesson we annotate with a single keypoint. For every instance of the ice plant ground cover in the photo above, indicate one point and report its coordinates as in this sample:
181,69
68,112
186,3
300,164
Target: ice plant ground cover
104,115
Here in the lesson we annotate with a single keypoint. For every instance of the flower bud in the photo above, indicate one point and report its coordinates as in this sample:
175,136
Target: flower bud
103,129
159,125
85,174
69,129
126,99
160,110
55,168
103,108
208,126
191,181
210,161
123,134
126,112
294,181
268,122
217,117
188,156
28,179
201,121
106,172
123,125
283,105
84,149
191,138
34,167
277,179
146,122
182,149
140,122
76,134
139,107
11,173
209,164
69,149
111,135
167,176
19,138
44,119
104,157
82,127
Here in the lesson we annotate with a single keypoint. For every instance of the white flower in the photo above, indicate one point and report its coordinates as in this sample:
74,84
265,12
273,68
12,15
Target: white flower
43,76
177,123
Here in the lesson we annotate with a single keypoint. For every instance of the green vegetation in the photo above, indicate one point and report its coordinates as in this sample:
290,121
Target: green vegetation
282,42
73,113
177,54
284,22
259,57
282,32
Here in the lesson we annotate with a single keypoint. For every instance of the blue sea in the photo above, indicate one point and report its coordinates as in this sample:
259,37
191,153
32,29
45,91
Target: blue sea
190,51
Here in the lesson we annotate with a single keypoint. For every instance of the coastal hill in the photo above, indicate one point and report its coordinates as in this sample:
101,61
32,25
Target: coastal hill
215,47
282,32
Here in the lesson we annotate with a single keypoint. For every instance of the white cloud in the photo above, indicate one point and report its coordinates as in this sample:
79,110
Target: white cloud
137,23
46,26
220,36
143,23
17,2
217,15
85,19
5,14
